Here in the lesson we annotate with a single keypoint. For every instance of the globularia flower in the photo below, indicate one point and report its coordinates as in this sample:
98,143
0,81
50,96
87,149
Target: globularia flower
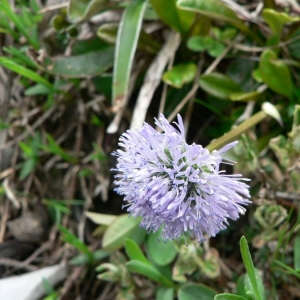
175,185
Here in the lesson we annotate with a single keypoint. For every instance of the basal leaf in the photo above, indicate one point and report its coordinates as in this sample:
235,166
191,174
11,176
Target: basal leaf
211,8
89,64
134,252
219,85
180,75
81,10
118,231
245,97
196,291
297,253
173,16
275,74
127,38
100,219
148,271
227,296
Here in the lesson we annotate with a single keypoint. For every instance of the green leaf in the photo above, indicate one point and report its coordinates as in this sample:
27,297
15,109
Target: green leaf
10,64
196,291
162,253
294,47
164,293
20,56
180,75
100,219
84,259
227,296
127,38
287,269
297,253
218,85
252,273
7,9
295,133
27,168
174,17
256,74
210,8
38,89
240,288
148,271
89,64
245,97
121,228
202,43
70,238
82,10
108,33
55,148
276,19
275,74
199,43
134,252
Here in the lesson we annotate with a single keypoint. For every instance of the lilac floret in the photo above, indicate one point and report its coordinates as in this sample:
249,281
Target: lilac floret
175,185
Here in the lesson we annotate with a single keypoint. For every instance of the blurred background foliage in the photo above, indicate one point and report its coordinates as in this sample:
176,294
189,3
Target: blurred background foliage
74,75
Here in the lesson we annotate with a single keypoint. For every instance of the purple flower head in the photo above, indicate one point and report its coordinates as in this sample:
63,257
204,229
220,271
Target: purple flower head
175,185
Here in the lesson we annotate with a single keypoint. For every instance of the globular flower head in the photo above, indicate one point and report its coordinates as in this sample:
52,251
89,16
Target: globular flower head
175,185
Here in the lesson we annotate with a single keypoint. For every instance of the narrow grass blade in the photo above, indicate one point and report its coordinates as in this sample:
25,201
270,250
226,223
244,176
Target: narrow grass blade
10,64
6,8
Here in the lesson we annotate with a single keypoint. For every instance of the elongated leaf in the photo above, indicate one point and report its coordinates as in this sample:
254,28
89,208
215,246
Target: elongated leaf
134,252
100,219
70,238
227,296
148,271
258,292
219,85
275,74
174,17
10,64
108,33
127,38
120,229
211,8
38,89
81,10
245,97
297,253
7,9
89,64
196,291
